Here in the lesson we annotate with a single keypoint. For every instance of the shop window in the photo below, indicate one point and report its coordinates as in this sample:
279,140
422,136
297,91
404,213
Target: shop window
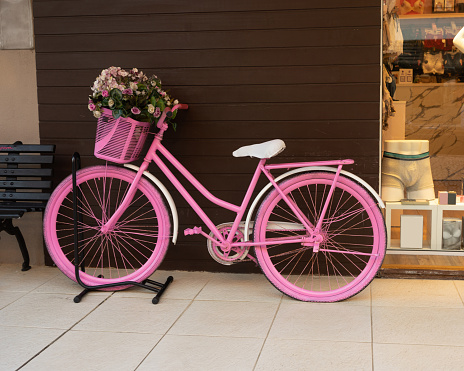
16,31
429,74
423,101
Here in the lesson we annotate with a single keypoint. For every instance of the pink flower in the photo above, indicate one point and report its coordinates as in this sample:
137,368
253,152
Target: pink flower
128,91
92,107
157,112
105,93
135,110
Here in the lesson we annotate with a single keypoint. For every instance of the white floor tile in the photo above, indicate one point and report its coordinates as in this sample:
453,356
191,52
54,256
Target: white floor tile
240,287
186,285
303,355
415,293
203,353
460,287
13,279
216,321
78,350
19,344
322,321
404,357
47,310
7,297
432,326
135,314
222,318
61,284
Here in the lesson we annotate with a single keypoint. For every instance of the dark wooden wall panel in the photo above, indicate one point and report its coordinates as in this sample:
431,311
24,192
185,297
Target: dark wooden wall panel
305,71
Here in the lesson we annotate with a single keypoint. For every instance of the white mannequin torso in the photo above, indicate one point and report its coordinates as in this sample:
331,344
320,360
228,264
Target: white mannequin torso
394,192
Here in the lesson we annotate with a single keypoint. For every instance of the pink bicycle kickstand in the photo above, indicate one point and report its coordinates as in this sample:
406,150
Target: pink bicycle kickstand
79,260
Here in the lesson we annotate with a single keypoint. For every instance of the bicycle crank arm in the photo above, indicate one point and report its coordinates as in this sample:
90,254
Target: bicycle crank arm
198,230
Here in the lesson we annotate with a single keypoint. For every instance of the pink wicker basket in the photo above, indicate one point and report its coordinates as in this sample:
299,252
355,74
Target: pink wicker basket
119,140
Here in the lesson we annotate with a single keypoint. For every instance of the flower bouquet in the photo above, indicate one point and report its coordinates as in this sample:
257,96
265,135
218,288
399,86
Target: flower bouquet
130,94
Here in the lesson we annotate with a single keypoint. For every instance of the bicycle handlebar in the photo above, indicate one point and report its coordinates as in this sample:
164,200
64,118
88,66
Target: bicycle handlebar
168,113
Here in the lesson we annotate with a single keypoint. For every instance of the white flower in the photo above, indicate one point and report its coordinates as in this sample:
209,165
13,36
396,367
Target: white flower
110,102
176,102
96,114
168,102
151,108
133,85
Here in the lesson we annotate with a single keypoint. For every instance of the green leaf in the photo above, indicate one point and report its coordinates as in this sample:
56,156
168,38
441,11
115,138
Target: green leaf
141,86
153,100
174,114
174,126
116,94
161,105
117,113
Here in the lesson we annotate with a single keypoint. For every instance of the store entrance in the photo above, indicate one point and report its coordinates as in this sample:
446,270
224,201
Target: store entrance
422,168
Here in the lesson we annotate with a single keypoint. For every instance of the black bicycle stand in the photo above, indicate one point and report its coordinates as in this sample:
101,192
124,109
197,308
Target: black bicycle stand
79,265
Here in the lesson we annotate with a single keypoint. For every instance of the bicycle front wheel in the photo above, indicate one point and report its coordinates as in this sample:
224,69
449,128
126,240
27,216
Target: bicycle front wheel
352,240
131,251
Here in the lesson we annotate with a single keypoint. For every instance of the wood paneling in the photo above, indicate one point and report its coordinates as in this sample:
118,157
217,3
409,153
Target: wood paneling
304,71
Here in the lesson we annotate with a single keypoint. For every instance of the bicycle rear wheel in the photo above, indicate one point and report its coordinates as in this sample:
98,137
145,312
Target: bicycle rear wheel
135,247
353,238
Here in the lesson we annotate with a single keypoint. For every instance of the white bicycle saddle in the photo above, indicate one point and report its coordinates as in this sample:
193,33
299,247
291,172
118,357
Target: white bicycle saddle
262,150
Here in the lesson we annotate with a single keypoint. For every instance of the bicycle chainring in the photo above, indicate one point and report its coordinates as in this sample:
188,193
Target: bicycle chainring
227,256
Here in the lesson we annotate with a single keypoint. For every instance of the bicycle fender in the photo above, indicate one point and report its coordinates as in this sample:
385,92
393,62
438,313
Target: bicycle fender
302,170
167,195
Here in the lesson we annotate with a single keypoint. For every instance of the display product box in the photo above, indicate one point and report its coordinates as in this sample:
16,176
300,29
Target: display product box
411,230
447,198
405,76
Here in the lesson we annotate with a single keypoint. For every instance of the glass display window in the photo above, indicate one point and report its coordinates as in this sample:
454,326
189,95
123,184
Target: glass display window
428,77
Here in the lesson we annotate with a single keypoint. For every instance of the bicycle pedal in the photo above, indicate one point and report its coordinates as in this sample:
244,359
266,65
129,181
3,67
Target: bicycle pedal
194,230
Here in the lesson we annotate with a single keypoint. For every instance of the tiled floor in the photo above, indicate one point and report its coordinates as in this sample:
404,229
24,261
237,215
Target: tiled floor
211,321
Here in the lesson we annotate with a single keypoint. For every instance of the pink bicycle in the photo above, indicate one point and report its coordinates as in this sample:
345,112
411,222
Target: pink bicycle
318,233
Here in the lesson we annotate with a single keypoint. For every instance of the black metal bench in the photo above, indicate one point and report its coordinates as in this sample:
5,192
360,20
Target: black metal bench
24,170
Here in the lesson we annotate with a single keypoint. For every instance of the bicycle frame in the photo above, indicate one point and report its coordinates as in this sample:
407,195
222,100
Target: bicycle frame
152,156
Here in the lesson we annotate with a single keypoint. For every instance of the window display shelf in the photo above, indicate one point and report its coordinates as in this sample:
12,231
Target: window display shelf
430,242
434,222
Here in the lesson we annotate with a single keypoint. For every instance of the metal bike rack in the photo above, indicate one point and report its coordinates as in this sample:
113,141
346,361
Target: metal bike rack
79,265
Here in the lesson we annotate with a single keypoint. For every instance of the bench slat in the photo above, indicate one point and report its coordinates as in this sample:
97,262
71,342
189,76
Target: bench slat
26,196
25,159
25,172
17,206
31,148
22,184
11,214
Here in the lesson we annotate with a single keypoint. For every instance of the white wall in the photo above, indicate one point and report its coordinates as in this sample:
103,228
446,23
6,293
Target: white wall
19,120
